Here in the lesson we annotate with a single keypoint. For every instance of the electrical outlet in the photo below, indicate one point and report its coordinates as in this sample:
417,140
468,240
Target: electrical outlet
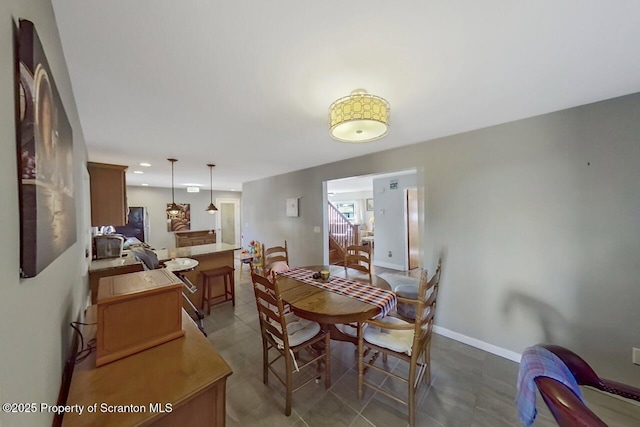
635,355
316,229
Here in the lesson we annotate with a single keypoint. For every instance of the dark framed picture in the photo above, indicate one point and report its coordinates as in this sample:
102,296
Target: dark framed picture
181,221
369,204
45,157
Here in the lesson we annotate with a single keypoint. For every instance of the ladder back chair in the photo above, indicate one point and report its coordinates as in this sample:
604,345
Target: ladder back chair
358,257
273,255
289,335
406,341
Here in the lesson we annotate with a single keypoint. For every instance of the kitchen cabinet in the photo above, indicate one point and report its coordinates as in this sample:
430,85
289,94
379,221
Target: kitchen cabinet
108,194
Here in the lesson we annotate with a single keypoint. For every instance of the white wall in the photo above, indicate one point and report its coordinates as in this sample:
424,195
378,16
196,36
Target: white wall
389,208
538,222
35,313
155,199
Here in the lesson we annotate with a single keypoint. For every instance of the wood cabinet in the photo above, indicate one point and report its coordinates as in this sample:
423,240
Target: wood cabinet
194,238
110,267
108,194
179,383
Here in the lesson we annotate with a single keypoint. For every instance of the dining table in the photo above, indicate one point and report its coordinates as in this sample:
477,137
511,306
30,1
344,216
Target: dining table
326,306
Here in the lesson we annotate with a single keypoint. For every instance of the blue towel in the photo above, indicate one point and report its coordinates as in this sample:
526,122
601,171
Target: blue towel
538,361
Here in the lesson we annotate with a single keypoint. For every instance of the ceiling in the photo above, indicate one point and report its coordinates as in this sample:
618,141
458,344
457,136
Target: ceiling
247,84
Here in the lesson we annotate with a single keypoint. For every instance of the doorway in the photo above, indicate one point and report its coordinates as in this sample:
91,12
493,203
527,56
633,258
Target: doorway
413,243
228,221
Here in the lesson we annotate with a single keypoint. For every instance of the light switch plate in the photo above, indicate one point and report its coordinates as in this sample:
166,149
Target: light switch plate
635,356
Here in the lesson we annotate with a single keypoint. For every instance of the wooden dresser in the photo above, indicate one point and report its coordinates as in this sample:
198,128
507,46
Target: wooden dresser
110,267
194,238
185,378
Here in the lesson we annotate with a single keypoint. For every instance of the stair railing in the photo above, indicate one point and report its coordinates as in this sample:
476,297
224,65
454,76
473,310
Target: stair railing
341,230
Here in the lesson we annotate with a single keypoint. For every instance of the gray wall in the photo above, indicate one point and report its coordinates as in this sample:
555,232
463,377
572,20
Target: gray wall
538,221
35,313
155,199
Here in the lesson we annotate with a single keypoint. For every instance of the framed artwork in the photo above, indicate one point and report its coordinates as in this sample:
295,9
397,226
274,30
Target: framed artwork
181,221
292,206
369,204
45,157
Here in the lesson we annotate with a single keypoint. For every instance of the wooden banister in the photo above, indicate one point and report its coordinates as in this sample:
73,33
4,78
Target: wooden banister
341,231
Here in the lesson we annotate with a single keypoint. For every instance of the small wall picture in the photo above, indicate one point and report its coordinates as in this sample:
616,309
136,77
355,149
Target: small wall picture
292,207
181,221
369,204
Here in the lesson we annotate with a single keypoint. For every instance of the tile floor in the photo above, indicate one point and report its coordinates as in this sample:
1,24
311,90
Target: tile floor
469,387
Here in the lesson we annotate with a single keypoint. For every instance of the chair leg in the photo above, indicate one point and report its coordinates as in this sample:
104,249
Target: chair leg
327,363
427,360
412,391
208,287
360,361
384,357
204,292
265,361
233,289
289,386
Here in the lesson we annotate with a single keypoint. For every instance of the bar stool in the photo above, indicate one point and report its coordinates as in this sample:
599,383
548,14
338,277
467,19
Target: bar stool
225,272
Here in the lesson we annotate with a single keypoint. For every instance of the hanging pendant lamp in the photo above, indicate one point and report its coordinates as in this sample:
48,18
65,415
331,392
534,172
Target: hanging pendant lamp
173,209
211,208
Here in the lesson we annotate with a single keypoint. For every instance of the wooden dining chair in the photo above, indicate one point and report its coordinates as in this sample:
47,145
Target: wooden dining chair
273,255
411,342
289,335
358,257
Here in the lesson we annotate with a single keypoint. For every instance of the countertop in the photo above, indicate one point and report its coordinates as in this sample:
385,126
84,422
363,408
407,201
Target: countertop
194,251
107,264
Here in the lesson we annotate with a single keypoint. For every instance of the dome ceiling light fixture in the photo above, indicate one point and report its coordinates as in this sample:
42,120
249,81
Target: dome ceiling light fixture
359,117
211,208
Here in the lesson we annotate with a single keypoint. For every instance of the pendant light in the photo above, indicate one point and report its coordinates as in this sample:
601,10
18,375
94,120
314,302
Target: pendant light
211,208
172,210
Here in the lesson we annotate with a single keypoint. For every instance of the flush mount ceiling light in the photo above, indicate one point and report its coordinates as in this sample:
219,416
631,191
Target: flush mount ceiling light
211,208
173,210
359,117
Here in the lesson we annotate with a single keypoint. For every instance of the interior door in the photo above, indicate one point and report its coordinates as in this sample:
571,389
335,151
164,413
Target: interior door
228,221
412,227
227,212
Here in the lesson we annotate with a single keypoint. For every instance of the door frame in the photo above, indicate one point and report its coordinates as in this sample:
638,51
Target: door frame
236,219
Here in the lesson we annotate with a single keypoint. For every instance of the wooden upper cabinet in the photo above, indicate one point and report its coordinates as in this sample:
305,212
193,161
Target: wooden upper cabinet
108,194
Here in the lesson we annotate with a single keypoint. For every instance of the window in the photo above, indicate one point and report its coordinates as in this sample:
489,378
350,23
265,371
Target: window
347,209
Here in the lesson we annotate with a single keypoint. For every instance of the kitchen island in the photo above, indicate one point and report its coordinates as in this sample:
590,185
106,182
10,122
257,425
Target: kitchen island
208,256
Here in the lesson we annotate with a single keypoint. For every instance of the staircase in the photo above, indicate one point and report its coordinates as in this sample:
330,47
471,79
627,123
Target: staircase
341,234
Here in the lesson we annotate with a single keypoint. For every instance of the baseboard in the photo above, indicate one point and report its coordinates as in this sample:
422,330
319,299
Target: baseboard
473,342
389,265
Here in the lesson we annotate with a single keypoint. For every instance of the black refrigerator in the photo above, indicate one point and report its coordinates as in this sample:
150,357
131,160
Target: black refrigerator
137,224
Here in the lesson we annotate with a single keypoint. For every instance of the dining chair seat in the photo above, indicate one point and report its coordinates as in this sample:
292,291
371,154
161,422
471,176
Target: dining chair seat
299,330
395,340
